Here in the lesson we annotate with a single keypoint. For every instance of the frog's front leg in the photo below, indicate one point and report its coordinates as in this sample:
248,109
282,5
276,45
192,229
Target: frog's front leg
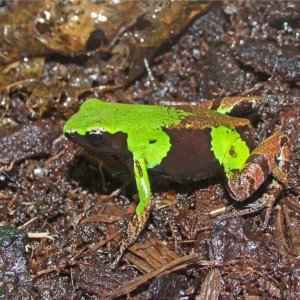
138,221
270,157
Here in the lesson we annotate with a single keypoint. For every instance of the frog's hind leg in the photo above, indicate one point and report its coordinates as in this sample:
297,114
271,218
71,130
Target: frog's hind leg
266,201
234,106
270,157
273,192
142,212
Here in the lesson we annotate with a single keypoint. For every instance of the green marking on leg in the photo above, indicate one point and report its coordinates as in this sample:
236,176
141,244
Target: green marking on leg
143,185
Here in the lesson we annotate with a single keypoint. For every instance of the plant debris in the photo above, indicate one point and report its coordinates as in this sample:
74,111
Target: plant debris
70,207
15,282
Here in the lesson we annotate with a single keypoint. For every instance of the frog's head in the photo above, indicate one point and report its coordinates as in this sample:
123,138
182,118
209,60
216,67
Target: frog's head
92,128
124,129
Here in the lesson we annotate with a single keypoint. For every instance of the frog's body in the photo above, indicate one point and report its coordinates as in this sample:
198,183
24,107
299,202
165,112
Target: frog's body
184,142
191,156
189,142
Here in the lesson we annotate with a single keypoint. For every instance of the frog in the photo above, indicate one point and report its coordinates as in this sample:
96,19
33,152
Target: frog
186,142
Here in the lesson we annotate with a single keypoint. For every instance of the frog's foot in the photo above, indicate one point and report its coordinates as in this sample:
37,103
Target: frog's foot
270,197
270,157
134,228
266,201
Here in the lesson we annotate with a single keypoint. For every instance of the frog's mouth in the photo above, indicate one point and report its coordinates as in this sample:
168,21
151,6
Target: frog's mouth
81,140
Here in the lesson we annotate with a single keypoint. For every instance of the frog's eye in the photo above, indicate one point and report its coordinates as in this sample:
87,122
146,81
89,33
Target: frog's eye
96,139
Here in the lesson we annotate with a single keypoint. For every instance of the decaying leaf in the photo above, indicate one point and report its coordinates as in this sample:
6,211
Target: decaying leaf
162,22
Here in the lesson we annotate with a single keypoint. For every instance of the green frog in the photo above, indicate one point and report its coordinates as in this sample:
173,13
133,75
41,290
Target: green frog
185,142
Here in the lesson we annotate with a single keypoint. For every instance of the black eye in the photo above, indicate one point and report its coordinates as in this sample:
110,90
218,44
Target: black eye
96,139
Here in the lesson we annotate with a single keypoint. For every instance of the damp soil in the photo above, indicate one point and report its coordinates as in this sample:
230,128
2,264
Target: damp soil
62,209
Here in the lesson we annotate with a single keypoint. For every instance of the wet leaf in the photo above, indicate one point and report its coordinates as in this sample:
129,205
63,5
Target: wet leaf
79,26
161,23
17,36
